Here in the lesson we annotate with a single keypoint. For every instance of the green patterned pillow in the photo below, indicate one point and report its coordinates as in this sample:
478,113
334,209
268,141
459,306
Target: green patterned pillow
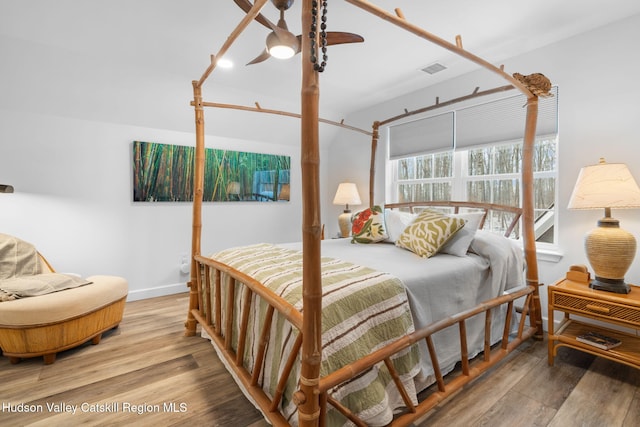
429,232
368,226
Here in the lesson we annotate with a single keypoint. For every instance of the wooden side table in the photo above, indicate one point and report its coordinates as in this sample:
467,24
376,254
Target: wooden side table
576,298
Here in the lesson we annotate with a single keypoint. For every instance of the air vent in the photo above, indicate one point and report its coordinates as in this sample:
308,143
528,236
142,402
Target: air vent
434,68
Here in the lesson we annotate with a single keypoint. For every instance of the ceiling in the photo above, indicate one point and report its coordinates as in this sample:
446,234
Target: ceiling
177,38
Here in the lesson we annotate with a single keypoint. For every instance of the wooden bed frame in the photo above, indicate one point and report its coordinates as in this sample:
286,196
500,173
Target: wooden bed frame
312,397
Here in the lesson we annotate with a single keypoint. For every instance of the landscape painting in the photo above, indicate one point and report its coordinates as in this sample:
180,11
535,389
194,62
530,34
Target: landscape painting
164,173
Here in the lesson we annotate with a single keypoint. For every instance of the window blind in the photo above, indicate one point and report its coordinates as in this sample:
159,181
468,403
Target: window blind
423,136
503,120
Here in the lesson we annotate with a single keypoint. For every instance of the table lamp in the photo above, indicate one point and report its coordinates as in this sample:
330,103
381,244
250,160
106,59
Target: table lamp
347,194
610,249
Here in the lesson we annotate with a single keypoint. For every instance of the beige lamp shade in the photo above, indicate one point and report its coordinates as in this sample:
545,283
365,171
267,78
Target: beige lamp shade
605,185
610,249
347,194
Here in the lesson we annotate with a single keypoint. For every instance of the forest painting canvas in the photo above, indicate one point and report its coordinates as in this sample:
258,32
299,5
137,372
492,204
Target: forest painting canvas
164,173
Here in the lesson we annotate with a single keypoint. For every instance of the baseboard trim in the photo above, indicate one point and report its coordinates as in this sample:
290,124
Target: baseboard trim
160,291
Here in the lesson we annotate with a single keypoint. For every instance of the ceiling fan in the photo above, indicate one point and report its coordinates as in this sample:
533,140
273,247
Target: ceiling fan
281,43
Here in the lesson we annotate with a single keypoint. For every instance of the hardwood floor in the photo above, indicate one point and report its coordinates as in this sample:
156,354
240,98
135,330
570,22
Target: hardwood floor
146,372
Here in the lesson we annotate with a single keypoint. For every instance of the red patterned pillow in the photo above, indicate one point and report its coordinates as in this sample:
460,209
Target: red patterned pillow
368,226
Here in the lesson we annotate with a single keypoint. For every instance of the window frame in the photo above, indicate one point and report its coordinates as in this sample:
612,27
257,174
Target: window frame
460,179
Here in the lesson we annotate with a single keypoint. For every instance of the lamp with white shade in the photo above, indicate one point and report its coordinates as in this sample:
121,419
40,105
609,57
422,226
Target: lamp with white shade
610,249
347,194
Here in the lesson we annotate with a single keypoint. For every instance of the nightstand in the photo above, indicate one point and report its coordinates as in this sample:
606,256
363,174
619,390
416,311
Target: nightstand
577,299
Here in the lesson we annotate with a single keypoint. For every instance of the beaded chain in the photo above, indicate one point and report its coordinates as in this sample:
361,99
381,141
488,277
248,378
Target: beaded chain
323,35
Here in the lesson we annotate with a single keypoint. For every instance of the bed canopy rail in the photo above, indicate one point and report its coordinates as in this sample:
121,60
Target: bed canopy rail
399,20
438,104
259,109
375,134
311,396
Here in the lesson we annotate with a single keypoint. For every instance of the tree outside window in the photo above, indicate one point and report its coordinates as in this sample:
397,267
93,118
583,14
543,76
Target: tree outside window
489,174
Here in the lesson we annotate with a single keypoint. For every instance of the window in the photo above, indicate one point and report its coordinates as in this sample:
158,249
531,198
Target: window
486,172
428,177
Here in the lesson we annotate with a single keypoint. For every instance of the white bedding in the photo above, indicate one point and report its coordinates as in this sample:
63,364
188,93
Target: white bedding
443,285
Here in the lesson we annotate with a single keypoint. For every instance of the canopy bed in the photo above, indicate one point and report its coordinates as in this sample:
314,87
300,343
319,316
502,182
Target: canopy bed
330,332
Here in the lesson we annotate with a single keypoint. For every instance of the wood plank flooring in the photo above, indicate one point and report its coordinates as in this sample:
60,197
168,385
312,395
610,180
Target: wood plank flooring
147,373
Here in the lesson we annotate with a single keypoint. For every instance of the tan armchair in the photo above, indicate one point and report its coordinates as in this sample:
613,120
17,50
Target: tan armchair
46,324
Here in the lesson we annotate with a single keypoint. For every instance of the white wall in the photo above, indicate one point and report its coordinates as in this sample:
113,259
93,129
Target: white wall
597,78
67,121
73,200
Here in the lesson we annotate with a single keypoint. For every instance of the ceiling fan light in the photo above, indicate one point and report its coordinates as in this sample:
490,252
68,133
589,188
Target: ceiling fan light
281,52
279,48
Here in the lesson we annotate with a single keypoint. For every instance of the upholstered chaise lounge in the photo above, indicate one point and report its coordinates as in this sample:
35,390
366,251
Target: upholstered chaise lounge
44,325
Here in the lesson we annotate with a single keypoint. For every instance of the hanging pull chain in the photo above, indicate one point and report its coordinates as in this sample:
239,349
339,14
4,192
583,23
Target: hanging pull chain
319,67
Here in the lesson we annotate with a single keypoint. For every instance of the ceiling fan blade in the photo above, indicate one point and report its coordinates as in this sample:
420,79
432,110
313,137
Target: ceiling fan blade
335,37
246,6
338,37
299,49
262,57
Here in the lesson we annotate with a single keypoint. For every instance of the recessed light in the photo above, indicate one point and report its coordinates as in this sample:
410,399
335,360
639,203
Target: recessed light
224,63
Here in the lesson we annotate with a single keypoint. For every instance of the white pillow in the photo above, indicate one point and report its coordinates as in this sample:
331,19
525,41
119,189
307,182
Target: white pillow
396,221
459,243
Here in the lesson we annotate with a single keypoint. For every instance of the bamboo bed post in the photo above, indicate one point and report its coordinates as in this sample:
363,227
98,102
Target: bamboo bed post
198,175
307,397
198,186
528,203
372,169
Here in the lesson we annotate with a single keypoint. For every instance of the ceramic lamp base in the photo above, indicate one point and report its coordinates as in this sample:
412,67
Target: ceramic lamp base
610,251
344,221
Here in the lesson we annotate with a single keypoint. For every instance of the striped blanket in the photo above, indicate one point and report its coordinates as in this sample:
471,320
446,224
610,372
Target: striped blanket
363,310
